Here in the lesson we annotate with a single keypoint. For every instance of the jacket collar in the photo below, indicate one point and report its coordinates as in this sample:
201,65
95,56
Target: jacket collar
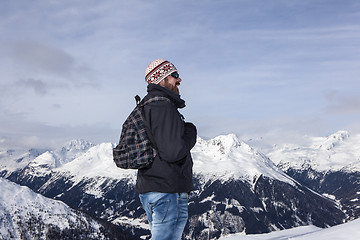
157,90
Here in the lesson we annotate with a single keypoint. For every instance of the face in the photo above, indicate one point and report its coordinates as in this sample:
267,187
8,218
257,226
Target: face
171,83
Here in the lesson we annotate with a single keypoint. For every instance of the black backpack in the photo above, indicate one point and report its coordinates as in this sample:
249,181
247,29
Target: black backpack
136,148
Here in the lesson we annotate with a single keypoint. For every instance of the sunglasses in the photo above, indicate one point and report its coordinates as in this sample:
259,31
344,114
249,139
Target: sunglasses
175,75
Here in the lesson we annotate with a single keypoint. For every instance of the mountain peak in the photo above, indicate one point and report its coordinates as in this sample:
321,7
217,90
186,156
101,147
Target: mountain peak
343,134
78,144
331,141
337,152
67,153
223,143
17,159
226,157
96,162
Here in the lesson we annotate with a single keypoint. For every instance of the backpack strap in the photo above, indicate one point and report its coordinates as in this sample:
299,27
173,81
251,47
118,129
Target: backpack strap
154,99
140,105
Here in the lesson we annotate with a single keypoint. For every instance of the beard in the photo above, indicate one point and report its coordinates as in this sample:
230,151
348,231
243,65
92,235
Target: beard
171,87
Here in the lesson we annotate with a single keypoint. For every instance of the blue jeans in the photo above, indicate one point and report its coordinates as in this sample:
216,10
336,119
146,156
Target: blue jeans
167,214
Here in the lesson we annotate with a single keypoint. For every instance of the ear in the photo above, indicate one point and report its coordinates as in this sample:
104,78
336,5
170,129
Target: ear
162,82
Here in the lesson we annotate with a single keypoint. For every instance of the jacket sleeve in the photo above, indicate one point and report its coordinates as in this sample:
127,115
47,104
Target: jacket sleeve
173,137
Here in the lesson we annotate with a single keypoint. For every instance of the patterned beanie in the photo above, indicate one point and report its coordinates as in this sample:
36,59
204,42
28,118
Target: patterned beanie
158,70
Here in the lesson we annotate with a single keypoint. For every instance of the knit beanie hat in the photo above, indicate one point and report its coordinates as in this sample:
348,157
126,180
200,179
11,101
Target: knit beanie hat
158,70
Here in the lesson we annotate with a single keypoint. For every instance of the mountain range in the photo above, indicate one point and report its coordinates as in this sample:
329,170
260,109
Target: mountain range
237,188
328,165
27,215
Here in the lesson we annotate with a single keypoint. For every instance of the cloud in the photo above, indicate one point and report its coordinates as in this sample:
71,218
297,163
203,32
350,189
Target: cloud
342,104
43,58
261,68
30,65
16,132
266,132
46,58
38,86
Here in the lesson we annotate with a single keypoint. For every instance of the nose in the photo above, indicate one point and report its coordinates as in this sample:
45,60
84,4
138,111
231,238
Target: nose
179,79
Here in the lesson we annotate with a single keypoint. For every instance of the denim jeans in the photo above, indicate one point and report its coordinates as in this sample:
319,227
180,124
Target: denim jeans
167,214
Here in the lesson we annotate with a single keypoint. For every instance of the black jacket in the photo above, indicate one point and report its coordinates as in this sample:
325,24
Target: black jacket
171,170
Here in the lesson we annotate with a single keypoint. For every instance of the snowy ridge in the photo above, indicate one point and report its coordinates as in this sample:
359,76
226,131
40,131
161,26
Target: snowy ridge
337,152
16,159
96,162
59,157
70,151
223,157
19,206
226,157
12,160
330,142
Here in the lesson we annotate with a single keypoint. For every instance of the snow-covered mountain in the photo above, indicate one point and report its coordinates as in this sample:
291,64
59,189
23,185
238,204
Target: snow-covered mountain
11,160
28,215
33,169
225,157
237,189
59,157
337,152
329,165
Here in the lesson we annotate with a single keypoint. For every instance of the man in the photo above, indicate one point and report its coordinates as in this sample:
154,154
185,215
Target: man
164,186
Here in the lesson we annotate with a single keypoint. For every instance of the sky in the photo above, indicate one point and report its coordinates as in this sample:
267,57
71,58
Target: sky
273,71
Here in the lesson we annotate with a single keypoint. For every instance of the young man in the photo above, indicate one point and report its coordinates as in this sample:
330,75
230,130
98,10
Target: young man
164,186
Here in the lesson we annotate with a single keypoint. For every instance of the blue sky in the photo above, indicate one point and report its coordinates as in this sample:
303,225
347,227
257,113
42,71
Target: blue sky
276,70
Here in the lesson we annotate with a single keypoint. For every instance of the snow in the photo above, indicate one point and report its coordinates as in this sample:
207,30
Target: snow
59,157
11,160
337,152
18,204
131,221
222,158
226,157
346,231
96,162
45,159
71,150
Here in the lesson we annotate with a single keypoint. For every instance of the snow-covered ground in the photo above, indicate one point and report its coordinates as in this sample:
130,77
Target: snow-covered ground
347,231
